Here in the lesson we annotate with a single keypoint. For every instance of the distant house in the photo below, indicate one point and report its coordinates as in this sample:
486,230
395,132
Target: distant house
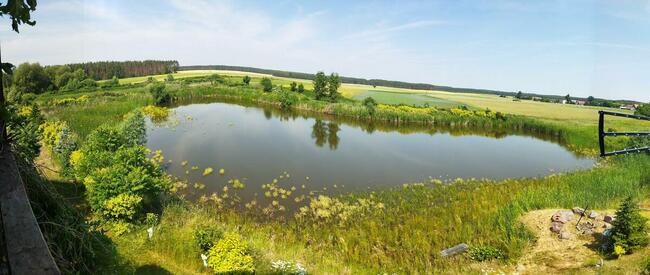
631,107
537,98
563,101
580,102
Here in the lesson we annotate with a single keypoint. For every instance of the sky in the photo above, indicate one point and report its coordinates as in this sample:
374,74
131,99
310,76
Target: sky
582,48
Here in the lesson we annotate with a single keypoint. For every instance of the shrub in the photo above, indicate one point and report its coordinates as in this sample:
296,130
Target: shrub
629,229
169,78
133,129
267,85
301,88
370,105
485,253
204,238
23,129
643,110
58,139
122,207
293,86
287,99
159,93
115,170
246,80
230,255
155,113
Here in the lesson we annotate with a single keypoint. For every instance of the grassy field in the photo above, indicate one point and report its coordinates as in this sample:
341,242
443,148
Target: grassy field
414,222
419,100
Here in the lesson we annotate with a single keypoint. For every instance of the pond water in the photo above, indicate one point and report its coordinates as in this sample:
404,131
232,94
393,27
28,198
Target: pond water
258,145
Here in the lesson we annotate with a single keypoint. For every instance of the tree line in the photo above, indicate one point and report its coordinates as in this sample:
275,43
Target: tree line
121,69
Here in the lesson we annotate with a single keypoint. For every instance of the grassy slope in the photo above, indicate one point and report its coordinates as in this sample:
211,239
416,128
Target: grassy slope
419,220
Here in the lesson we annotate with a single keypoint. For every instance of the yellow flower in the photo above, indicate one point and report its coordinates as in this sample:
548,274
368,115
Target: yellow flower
207,171
222,171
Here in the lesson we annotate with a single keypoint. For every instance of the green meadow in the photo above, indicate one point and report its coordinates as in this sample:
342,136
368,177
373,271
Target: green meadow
395,230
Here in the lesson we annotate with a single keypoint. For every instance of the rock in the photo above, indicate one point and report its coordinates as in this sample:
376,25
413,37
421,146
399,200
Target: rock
608,218
556,227
454,250
578,211
565,235
593,215
562,216
607,232
607,226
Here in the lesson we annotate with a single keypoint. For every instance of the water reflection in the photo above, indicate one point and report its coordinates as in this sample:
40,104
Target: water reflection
325,133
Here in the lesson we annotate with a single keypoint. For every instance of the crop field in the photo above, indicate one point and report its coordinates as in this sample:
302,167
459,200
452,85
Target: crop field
419,100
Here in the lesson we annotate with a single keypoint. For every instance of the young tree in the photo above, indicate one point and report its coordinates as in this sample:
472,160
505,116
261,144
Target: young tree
267,85
629,229
320,85
370,105
301,88
293,86
246,80
333,84
114,81
31,78
169,78
568,99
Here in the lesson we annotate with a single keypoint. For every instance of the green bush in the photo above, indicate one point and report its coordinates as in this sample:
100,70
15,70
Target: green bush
643,110
122,207
23,129
485,253
287,99
267,85
230,255
629,229
370,104
115,170
204,238
159,93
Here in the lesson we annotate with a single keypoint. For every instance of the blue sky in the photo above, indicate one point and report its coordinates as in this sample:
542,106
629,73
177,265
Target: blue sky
599,48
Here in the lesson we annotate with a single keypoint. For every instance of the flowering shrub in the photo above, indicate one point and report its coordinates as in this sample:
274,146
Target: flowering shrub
122,207
230,255
120,180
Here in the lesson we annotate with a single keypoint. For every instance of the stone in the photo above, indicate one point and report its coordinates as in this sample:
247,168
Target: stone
607,226
562,216
578,211
608,218
565,235
460,248
556,227
593,215
607,232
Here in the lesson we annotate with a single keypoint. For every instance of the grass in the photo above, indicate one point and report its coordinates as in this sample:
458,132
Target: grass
415,222
393,98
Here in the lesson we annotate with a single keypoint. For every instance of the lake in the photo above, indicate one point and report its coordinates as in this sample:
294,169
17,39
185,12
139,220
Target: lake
258,145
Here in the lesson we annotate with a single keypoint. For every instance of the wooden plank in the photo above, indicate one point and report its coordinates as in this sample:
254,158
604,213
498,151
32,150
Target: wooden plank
27,250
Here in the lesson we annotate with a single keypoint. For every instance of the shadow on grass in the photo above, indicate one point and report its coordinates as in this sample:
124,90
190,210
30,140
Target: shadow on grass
151,269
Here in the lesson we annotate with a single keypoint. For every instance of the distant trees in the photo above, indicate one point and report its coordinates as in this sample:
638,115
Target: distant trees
326,87
246,80
519,95
643,110
121,69
30,78
267,85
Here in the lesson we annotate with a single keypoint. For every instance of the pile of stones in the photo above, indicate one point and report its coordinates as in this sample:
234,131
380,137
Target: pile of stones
590,222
